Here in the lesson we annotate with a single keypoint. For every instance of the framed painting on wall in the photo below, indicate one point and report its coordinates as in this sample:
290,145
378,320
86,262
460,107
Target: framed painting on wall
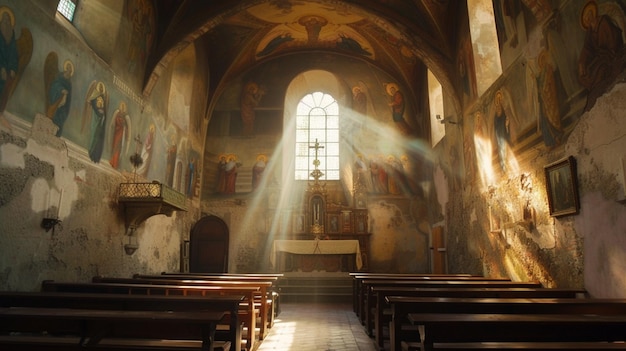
333,223
562,187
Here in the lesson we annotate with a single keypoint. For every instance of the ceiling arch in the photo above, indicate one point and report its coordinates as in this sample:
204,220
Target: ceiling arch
394,35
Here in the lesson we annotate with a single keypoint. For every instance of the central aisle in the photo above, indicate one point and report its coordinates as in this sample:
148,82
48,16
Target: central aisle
318,326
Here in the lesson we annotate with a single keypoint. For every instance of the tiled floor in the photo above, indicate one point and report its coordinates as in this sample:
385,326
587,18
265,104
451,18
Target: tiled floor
317,327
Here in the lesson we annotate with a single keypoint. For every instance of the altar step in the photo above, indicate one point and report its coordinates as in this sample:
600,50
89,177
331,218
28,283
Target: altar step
315,289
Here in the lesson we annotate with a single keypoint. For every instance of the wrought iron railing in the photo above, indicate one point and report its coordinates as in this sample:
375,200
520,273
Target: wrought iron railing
152,192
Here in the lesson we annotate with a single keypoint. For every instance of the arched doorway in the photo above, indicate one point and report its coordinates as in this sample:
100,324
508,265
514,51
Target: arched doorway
208,247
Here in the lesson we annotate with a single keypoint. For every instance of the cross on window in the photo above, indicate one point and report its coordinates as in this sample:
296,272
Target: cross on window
316,146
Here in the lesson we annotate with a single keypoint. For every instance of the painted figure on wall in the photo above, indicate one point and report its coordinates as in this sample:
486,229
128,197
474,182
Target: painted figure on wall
550,100
120,134
95,113
359,101
602,56
362,180
170,167
379,177
58,90
502,128
230,174
506,13
146,151
397,105
313,25
191,176
257,170
14,54
275,43
395,177
250,99
141,22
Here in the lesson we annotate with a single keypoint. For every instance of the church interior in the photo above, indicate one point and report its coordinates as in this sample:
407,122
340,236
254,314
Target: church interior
314,138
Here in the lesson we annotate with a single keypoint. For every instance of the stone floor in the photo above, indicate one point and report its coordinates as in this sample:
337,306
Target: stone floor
317,327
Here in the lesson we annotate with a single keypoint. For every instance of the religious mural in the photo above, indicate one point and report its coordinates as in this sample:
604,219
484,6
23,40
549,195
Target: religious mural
58,87
309,26
15,54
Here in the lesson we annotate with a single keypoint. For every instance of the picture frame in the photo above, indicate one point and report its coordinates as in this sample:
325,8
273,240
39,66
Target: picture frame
494,222
562,187
346,221
334,223
360,219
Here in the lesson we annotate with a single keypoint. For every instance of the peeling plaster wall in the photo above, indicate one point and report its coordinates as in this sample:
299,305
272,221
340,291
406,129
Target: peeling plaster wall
499,224
599,141
90,238
42,175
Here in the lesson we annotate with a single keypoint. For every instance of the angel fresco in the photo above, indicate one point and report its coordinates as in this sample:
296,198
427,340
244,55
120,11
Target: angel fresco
120,130
95,114
58,87
603,56
397,105
14,54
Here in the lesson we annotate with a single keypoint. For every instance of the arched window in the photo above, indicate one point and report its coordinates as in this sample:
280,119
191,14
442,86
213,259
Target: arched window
317,133
484,42
67,8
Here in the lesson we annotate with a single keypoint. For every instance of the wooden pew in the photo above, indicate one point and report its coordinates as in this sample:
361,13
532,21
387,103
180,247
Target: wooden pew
262,299
229,303
97,327
404,305
247,313
272,292
495,327
357,278
535,346
387,297
364,292
370,299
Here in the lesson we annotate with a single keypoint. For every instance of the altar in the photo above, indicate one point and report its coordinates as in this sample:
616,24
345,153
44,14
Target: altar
325,249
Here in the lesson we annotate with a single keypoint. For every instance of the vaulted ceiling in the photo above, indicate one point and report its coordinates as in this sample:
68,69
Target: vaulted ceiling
397,36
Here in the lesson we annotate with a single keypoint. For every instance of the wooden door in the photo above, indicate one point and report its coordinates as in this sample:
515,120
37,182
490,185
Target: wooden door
208,247
438,251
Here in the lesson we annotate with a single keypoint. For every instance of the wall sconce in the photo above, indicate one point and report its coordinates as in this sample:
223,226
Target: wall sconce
445,120
48,223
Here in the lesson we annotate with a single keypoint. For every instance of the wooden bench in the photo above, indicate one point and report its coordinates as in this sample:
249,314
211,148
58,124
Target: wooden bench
383,310
271,292
99,327
358,277
247,313
403,305
490,327
262,299
370,299
365,293
229,303
535,346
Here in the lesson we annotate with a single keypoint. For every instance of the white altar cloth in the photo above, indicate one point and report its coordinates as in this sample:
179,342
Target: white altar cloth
317,247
